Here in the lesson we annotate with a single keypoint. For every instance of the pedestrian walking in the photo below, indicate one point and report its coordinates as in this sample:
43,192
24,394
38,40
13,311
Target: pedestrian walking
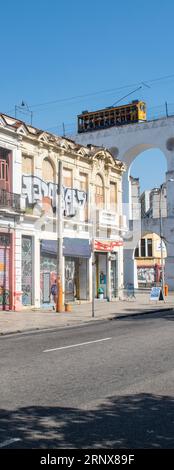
54,292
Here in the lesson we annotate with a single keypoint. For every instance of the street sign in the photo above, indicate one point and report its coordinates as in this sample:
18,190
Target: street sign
156,294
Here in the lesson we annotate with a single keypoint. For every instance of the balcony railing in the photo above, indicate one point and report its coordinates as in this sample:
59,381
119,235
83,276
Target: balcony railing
11,201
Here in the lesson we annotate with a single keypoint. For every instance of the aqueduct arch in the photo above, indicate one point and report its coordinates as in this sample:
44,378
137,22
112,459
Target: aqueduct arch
126,143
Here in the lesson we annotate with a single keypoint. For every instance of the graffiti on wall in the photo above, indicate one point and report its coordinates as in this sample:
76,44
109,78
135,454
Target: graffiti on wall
146,275
35,189
27,270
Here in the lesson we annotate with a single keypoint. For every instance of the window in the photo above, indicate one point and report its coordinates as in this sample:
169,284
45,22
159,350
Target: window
99,194
149,247
136,255
113,195
83,186
47,171
27,165
5,169
143,247
67,178
83,182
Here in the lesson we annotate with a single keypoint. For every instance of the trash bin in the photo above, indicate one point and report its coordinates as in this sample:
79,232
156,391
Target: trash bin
166,289
68,307
100,293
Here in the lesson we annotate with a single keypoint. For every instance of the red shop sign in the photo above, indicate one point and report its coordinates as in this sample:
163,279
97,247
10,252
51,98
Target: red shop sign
106,245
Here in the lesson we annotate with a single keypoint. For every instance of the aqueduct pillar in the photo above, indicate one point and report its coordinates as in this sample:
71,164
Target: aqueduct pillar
126,143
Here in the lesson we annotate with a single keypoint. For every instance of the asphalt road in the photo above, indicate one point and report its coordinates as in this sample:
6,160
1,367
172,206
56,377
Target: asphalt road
107,384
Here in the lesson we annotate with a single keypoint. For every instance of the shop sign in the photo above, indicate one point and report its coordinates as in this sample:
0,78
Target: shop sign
108,218
156,294
106,245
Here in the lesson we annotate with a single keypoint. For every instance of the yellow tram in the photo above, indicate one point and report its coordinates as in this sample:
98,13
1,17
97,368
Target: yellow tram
112,116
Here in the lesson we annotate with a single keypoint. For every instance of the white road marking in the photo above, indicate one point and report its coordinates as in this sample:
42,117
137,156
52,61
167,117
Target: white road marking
9,441
76,345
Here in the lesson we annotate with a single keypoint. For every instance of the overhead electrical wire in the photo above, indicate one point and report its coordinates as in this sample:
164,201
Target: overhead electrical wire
145,83
109,90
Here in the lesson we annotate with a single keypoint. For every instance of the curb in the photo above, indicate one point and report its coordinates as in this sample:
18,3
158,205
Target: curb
68,325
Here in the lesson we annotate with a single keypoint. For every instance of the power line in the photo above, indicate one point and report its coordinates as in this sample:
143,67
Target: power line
109,90
145,83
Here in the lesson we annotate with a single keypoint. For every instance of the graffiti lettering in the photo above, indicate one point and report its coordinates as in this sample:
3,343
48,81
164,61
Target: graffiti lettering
34,189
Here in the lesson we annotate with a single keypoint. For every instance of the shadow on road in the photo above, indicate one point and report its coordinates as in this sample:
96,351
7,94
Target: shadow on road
131,421
133,315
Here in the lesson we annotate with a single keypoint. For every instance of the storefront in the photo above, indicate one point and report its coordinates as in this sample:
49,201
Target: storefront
107,268
48,269
76,253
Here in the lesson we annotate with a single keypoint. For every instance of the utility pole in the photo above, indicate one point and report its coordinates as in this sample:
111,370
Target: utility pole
167,115
93,279
59,303
161,237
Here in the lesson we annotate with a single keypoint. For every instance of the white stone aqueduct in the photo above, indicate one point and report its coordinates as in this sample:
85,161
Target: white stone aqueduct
126,143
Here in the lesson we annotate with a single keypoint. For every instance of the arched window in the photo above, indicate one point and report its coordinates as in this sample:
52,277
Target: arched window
48,176
99,193
47,171
27,165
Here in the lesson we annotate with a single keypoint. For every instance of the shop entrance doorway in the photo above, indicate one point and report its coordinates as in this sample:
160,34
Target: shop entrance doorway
76,279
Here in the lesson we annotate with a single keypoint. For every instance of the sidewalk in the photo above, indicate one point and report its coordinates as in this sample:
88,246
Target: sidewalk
29,320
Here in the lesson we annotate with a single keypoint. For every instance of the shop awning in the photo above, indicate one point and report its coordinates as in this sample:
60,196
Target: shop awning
77,247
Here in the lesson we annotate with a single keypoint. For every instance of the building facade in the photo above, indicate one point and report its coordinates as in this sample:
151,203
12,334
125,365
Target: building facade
92,219
153,202
148,260
135,197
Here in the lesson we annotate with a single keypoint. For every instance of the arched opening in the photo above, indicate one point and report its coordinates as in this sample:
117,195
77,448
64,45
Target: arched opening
150,167
148,204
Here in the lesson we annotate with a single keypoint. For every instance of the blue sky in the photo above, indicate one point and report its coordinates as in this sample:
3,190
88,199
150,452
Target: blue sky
67,52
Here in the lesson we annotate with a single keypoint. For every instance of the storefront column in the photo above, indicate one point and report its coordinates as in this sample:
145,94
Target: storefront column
17,272
63,280
91,268
108,276
120,271
36,271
